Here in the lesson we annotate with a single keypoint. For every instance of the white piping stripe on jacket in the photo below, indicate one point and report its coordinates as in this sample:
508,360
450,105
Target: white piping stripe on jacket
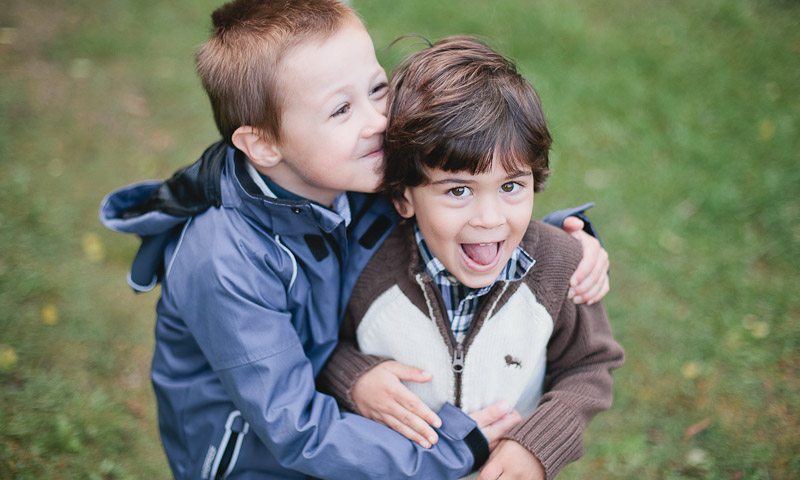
178,246
251,170
294,260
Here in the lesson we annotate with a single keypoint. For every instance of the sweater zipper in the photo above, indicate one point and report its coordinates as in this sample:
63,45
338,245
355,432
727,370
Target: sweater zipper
458,366
459,349
456,349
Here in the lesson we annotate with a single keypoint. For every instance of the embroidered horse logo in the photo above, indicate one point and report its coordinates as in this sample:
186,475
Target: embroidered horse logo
511,361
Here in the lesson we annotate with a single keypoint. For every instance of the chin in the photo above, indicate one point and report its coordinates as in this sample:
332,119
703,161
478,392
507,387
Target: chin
479,282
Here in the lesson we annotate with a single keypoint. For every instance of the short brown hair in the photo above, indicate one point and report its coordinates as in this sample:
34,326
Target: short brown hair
238,64
458,106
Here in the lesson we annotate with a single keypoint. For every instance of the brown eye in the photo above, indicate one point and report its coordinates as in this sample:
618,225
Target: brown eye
458,191
509,187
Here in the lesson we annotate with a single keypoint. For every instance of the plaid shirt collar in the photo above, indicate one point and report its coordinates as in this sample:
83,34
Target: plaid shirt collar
460,300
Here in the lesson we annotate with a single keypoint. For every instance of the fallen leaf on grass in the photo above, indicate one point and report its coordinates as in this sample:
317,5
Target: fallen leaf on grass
698,427
49,314
697,457
690,370
93,247
8,358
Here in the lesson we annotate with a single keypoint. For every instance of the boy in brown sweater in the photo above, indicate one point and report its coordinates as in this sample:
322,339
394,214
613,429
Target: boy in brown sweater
469,288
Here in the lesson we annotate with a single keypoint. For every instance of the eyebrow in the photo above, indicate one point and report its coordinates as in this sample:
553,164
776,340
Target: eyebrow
469,180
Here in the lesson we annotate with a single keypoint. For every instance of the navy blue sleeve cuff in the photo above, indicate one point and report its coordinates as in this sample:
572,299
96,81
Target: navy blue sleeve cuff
458,425
557,218
148,264
479,447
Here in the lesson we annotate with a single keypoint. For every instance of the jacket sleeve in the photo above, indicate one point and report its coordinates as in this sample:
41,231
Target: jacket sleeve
581,354
244,330
557,218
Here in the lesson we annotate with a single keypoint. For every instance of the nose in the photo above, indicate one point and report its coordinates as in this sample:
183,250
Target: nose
376,120
487,213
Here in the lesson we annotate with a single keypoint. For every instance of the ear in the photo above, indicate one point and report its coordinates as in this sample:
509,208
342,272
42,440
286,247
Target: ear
261,151
405,205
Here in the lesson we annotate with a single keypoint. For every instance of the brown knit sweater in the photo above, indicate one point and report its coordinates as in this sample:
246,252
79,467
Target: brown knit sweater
522,331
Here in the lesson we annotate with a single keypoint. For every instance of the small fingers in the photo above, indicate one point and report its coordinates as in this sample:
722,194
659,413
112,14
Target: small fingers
490,414
602,293
413,404
591,249
491,471
494,432
591,286
407,372
572,225
406,421
401,427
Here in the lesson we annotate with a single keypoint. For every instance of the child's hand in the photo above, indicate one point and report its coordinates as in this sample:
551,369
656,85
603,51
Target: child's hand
589,283
379,395
495,420
512,461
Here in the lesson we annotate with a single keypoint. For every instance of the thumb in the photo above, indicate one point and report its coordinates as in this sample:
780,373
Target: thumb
407,372
572,225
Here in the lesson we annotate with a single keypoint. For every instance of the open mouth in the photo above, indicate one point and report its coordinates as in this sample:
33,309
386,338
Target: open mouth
482,256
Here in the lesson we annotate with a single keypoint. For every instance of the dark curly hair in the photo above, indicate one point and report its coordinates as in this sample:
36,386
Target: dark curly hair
458,106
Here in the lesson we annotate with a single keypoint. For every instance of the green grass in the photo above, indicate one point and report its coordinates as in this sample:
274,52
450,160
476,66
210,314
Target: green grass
680,119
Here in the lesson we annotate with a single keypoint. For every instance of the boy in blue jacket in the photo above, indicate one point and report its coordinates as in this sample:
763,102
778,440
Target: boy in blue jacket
258,247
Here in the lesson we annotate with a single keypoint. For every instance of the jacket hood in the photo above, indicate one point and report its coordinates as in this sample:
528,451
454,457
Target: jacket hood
150,208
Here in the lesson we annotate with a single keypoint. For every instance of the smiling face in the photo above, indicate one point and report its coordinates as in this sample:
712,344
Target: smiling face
472,223
334,116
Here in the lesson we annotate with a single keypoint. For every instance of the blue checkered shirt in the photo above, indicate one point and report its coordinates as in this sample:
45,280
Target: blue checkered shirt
460,300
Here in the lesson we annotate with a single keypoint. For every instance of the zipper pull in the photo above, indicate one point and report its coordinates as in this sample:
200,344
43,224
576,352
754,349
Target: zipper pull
458,358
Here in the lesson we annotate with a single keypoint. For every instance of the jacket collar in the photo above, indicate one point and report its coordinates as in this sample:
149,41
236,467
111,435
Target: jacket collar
239,190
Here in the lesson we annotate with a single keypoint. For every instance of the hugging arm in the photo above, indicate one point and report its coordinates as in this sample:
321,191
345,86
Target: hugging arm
590,282
260,361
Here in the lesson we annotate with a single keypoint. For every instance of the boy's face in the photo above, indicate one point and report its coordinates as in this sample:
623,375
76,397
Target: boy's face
472,223
334,116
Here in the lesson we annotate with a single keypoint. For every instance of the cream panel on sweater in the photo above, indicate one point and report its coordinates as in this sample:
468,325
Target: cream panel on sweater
505,361
507,358
394,327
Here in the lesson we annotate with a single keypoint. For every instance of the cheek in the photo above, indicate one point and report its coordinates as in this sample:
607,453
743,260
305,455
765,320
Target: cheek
446,232
438,228
519,215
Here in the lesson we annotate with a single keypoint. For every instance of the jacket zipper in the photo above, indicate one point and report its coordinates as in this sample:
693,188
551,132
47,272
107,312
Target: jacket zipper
235,430
227,455
459,349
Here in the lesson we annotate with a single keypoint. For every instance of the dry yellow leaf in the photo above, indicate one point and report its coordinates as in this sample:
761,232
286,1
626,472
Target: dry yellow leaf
690,370
8,358
93,247
50,314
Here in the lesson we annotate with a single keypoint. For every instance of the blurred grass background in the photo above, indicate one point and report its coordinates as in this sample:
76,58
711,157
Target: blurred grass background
680,119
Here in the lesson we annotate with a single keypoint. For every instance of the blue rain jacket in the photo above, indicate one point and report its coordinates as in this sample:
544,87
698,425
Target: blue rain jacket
253,289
